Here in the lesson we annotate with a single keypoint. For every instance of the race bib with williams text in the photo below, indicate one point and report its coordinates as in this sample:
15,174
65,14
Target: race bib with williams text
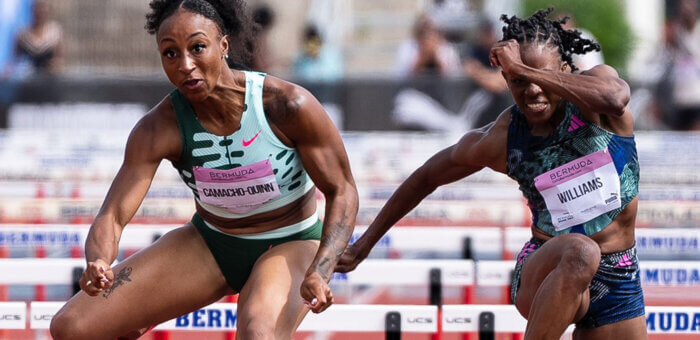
580,190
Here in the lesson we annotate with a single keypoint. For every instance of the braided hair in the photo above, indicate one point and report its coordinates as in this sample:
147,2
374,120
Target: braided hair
229,15
538,28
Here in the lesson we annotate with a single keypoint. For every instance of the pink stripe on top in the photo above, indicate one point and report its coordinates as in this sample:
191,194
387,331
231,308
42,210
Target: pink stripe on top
573,169
578,121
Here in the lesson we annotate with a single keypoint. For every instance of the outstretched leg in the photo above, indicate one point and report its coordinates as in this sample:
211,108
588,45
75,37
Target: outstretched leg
554,284
175,275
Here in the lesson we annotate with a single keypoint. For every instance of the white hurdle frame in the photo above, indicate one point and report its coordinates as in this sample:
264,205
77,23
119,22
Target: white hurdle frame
486,273
467,273
365,318
485,240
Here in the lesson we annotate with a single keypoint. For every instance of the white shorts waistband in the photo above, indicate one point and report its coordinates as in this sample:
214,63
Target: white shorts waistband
275,233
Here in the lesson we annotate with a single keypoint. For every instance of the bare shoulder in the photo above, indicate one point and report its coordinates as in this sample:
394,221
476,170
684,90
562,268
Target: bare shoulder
157,118
601,70
295,115
156,134
283,100
485,146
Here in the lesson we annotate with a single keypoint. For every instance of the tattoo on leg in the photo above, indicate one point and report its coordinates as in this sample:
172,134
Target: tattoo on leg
119,280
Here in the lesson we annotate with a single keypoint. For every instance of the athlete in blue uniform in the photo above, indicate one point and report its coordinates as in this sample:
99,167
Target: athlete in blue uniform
569,144
253,149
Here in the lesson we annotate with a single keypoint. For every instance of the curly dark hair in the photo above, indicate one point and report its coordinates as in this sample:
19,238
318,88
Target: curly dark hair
230,16
539,28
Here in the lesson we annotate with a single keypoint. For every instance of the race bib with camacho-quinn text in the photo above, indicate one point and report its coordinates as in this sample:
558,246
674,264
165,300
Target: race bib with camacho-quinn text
580,190
238,190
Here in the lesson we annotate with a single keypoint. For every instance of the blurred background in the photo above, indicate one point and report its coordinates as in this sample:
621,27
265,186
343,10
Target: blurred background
76,75
356,56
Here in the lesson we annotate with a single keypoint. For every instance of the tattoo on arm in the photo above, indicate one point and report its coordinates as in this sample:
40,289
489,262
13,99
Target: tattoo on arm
119,280
279,105
335,239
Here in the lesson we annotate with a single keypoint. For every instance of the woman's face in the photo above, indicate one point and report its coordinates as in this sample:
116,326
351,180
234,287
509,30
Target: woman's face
537,105
40,11
192,52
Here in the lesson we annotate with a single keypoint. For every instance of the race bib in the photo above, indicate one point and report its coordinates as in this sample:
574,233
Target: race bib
238,190
581,190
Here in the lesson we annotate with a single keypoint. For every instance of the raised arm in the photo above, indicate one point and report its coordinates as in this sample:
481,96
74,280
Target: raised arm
599,90
322,152
148,143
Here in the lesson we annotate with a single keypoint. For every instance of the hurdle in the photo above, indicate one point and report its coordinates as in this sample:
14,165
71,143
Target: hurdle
466,241
490,319
54,271
390,319
488,243
405,272
393,320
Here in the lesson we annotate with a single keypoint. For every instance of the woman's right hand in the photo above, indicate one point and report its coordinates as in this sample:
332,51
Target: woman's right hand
506,55
351,257
97,277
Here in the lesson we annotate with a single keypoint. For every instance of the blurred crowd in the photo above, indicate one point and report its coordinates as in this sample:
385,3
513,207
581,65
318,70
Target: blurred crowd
678,90
436,47
36,47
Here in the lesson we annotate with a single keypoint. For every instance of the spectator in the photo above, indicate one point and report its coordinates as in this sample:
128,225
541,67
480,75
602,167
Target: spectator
483,106
683,75
264,17
427,52
38,48
316,60
452,17
14,15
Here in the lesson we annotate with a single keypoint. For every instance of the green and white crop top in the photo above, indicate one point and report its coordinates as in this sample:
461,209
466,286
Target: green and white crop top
246,173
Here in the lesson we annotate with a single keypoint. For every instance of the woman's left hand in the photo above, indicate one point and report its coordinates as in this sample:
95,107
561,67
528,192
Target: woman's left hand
506,54
316,292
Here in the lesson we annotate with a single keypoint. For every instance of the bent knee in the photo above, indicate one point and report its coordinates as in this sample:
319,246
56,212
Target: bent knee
581,256
262,329
67,325
257,328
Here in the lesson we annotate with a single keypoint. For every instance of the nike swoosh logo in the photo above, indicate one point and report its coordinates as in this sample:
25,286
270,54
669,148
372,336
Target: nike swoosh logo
246,143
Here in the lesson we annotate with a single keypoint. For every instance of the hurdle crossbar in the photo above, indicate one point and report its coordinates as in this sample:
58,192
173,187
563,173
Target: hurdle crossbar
223,317
486,241
365,318
372,272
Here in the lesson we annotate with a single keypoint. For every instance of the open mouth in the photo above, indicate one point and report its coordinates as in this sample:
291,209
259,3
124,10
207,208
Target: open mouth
193,84
536,107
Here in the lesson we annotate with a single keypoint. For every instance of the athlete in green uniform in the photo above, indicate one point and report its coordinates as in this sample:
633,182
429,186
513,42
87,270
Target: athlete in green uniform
252,148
